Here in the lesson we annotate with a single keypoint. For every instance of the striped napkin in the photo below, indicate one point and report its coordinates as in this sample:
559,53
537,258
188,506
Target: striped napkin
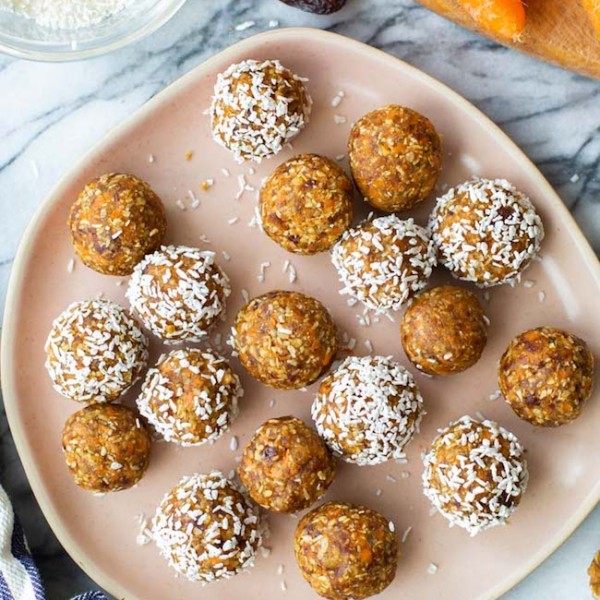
19,577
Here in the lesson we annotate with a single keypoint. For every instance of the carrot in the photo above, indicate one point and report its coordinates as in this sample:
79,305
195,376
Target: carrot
504,18
593,9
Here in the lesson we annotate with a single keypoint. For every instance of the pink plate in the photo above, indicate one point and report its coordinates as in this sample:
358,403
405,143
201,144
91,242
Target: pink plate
564,290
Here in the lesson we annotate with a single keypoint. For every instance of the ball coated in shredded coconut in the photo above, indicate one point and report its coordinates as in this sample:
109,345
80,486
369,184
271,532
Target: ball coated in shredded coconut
384,262
257,107
486,231
368,409
475,474
191,396
95,351
178,293
207,529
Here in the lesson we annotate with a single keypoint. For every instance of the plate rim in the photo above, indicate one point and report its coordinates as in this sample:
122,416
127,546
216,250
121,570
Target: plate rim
9,326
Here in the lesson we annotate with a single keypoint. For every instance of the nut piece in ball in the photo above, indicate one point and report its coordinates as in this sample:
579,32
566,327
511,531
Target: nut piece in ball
546,376
190,397
368,409
384,262
444,330
116,220
346,551
395,156
306,204
95,351
486,231
207,529
286,340
286,466
178,293
106,446
475,474
257,107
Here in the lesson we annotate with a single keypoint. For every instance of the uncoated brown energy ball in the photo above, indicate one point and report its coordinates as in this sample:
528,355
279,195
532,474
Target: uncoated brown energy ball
286,466
546,376
346,551
285,339
444,330
306,204
116,220
395,155
107,447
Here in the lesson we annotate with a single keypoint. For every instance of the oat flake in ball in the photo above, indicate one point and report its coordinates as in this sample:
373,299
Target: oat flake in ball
286,340
191,396
178,293
368,409
444,330
475,474
106,447
257,107
546,376
286,466
395,155
346,551
486,231
306,204
95,351
384,262
116,220
207,529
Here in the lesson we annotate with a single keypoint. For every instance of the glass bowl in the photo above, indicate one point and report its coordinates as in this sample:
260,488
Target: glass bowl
24,38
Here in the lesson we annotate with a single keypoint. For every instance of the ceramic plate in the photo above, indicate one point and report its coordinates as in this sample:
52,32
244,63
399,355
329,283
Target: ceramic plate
562,290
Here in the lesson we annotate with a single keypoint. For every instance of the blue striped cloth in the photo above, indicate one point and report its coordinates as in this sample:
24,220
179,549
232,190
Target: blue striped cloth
19,577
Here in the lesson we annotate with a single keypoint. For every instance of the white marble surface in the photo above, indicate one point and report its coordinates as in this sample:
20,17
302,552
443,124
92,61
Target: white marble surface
51,114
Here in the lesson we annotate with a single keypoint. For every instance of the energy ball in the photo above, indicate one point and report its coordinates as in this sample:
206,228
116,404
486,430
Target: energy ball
207,529
95,351
546,376
475,474
384,262
107,447
257,107
395,156
368,409
116,220
286,466
306,204
190,397
178,293
444,330
346,551
486,231
286,340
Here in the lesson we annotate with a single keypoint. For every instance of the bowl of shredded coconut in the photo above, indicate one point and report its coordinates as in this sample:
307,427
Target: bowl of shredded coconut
59,30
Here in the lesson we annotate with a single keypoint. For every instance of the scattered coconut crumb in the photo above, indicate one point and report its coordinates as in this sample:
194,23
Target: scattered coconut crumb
245,25
195,202
337,99
528,283
180,205
225,172
286,266
406,534
226,255
71,265
151,158
369,346
486,296
391,478
378,492
292,276
432,568
189,154
265,551
480,415
233,444
339,119
245,295
575,178
273,23
35,170
340,157
263,267
280,569
283,586
119,282
233,220
145,534
495,395
207,184
405,474
204,239
486,320
272,402
541,296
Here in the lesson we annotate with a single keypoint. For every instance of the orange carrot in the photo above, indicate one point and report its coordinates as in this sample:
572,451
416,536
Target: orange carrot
593,9
504,18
